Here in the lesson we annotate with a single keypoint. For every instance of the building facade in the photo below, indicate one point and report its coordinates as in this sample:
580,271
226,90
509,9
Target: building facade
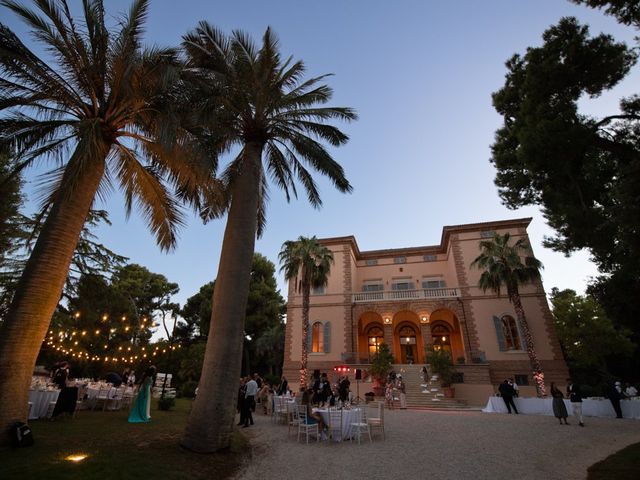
418,298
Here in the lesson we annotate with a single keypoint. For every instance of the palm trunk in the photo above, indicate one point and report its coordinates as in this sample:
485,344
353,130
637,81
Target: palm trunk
538,374
210,423
306,293
38,293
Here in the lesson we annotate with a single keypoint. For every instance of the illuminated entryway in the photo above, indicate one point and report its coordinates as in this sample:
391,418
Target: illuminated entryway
446,333
408,344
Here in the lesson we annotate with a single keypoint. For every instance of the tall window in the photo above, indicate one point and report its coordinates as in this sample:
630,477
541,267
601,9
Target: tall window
317,342
508,333
375,338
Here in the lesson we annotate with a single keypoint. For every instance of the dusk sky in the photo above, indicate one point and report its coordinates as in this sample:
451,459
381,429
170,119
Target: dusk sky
420,75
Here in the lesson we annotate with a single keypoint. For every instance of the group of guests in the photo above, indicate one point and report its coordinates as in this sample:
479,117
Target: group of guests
322,392
614,392
250,386
395,383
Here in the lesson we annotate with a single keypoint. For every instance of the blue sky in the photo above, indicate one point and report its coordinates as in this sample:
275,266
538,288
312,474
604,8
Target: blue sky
420,74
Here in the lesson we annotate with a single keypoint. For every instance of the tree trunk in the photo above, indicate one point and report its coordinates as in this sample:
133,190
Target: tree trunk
538,374
38,293
210,423
306,293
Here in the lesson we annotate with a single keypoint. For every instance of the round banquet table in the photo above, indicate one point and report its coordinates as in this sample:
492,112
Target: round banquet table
41,400
348,417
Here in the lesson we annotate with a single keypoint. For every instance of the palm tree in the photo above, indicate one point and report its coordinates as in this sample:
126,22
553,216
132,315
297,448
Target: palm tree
309,263
273,120
503,267
96,110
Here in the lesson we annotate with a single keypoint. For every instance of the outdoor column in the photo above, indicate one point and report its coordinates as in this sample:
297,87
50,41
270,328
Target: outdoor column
388,339
427,339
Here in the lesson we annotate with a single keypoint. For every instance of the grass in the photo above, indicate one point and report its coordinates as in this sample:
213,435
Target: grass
622,465
119,450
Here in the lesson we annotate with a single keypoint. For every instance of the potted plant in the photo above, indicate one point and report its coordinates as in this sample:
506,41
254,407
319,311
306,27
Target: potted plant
380,367
442,365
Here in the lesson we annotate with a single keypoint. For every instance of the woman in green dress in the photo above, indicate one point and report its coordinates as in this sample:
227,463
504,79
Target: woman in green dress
141,410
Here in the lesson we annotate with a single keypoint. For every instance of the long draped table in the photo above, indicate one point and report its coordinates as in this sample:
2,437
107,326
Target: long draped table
40,400
543,406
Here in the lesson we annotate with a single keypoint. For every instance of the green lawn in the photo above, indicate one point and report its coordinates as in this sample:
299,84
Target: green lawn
117,449
622,465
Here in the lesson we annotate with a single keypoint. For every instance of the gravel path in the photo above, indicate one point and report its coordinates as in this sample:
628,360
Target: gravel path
444,445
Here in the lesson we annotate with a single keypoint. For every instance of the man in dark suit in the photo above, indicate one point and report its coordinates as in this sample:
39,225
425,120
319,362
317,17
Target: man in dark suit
575,396
615,395
507,392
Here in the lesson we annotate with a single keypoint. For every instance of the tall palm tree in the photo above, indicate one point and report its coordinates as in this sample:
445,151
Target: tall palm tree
273,120
309,263
504,267
97,109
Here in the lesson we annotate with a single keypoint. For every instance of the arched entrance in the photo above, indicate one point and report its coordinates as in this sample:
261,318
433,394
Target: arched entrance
407,336
375,338
446,333
408,346
370,336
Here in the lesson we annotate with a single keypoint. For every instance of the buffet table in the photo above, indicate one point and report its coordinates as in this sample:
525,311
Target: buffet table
591,407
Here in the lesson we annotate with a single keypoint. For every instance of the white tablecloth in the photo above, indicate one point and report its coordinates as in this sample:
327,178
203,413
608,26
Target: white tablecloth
543,406
40,401
348,417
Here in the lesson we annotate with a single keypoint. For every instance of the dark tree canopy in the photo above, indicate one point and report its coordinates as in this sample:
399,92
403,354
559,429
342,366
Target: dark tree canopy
583,171
626,11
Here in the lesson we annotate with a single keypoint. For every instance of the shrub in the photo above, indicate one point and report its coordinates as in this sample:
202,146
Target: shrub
166,403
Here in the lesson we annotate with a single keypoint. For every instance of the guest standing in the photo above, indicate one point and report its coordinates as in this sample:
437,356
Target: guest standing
559,408
284,387
575,396
402,388
388,395
242,391
613,392
343,389
507,392
249,399
141,410
425,374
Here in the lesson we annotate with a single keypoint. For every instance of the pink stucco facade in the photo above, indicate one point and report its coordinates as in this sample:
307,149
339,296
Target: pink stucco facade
419,297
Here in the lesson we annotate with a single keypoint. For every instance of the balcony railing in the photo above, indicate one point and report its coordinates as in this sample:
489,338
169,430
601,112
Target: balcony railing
386,296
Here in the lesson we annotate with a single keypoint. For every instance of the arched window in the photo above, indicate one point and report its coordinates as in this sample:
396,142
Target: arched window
441,338
508,333
375,338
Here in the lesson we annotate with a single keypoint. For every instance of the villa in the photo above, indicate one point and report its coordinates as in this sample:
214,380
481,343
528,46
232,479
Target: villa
418,298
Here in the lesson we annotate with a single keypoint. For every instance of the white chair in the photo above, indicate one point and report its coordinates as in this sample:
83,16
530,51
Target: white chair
335,424
50,409
305,426
293,418
378,420
102,396
280,411
115,401
360,426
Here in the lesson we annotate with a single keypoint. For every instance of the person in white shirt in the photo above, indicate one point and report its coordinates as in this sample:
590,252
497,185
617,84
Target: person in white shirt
249,399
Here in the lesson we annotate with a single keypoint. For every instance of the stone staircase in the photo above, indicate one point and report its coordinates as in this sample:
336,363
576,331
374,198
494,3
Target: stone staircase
430,396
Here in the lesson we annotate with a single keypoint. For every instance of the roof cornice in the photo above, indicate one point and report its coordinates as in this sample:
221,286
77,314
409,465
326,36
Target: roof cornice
447,231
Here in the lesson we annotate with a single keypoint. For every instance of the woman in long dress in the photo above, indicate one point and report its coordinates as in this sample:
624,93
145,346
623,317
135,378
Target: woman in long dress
141,410
559,408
